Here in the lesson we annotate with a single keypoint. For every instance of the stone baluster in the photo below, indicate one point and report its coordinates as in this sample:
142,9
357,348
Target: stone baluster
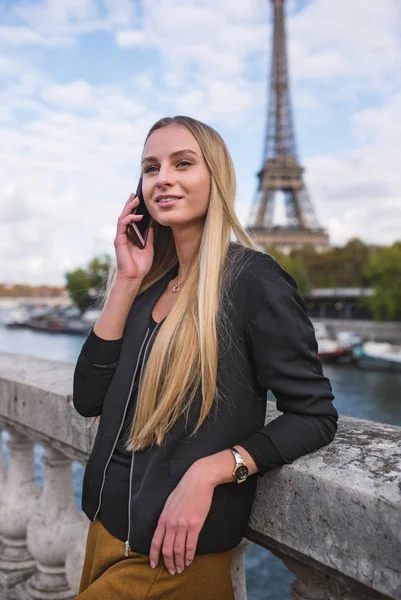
311,584
2,467
238,569
17,504
52,530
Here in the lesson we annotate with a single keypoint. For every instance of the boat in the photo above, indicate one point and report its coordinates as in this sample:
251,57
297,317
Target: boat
76,325
334,348
16,317
378,356
333,351
49,324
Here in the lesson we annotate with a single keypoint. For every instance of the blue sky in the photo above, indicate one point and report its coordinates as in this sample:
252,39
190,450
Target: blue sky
82,81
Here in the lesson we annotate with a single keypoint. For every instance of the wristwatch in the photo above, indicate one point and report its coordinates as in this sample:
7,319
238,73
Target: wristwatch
241,470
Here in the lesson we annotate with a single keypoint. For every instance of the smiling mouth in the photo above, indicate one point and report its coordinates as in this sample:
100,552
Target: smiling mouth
167,201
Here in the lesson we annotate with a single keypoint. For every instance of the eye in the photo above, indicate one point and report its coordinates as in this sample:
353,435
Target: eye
183,163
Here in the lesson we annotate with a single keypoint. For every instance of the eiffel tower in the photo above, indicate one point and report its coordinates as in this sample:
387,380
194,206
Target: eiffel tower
281,174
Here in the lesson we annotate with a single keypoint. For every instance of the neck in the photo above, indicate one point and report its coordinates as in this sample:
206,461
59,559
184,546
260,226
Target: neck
187,243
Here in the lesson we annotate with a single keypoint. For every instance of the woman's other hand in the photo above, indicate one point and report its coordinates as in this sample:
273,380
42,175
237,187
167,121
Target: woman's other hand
133,263
181,521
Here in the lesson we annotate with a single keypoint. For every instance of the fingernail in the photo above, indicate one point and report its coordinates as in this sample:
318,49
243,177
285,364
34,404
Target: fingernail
171,572
179,570
152,564
187,562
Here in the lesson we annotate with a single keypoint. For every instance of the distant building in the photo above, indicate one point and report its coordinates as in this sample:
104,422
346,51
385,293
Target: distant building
338,303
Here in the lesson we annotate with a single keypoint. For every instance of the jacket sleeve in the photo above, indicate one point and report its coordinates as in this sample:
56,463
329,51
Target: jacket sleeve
93,373
283,350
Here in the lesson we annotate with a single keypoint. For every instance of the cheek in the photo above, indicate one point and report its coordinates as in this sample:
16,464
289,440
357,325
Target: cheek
145,189
202,189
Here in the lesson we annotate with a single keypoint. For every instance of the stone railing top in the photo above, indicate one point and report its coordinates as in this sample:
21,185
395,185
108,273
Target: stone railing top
338,508
36,398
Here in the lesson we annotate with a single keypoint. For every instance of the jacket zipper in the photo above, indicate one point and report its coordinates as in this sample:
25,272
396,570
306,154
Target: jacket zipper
122,423
127,546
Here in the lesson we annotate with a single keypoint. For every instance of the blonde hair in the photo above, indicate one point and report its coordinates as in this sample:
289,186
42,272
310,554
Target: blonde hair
171,377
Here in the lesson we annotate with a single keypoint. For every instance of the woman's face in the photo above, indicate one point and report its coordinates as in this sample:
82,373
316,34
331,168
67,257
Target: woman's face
173,165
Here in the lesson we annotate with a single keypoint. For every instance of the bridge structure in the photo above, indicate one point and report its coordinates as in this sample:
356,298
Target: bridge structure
333,517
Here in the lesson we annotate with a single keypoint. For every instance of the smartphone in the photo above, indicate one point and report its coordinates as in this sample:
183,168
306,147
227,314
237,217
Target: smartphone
140,229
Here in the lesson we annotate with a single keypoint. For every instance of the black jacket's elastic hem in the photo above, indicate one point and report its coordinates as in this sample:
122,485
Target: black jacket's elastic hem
263,452
100,352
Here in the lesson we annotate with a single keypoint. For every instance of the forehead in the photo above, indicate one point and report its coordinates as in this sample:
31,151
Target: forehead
169,139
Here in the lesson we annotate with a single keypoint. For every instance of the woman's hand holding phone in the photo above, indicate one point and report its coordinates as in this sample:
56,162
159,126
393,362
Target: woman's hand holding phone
133,263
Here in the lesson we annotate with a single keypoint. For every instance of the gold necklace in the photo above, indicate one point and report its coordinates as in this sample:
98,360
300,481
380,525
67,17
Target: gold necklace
176,288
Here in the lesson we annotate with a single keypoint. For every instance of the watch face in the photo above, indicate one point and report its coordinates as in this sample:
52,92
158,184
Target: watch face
241,472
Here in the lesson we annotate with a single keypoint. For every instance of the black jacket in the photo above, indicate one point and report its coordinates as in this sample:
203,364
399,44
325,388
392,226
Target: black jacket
271,345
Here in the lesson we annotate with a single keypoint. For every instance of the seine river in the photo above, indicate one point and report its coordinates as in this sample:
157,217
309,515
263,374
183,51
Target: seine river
364,394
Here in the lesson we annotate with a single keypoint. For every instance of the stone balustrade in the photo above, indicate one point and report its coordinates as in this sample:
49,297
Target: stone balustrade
333,516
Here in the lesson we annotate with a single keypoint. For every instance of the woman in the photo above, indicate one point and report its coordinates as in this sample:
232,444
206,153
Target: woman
194,330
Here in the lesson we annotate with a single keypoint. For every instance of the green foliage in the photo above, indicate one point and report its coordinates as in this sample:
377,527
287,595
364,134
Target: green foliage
384,274
339,267
84,283
354,265
295,267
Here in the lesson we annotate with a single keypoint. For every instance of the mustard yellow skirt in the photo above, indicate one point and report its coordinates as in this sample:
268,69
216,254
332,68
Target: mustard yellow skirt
108,574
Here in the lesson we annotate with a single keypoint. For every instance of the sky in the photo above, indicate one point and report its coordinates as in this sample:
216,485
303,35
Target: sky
82,81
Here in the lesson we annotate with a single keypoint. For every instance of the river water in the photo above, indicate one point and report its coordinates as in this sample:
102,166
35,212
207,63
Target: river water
363,394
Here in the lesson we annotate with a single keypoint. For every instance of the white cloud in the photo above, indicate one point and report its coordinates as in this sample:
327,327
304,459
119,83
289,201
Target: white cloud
23,36
359,191
202,41
55,22
130,37
54,16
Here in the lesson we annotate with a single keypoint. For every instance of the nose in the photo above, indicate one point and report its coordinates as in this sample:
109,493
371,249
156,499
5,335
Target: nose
165,177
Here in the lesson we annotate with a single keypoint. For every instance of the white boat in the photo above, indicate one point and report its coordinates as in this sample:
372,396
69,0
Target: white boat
378,355
330,348
16,317
332,351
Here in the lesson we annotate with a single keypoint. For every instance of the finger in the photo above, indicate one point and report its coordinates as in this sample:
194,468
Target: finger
130,198
131,203
157,544
123,223
168,549
192,542
179,548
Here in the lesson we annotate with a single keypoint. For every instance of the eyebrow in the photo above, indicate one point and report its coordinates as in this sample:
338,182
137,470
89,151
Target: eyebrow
173,154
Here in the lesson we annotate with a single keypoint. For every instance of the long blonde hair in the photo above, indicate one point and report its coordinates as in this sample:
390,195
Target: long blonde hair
171,376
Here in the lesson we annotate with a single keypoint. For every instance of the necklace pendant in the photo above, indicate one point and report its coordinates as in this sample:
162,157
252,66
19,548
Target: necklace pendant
175,288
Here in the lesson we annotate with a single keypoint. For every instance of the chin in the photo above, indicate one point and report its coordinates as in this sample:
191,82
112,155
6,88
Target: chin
169,221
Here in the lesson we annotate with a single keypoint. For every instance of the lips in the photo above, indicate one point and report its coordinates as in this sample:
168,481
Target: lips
168,202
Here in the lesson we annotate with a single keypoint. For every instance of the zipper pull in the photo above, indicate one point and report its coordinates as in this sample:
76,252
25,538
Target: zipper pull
127,548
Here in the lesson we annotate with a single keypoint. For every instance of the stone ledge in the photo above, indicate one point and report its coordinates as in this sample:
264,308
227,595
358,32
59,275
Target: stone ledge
339,508
35,394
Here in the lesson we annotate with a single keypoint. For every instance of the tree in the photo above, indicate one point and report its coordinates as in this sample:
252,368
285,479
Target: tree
85,284
295,267
78,285
383,273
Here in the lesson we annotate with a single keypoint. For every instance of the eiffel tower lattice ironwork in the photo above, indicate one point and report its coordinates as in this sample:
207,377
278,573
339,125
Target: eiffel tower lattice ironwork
281,172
